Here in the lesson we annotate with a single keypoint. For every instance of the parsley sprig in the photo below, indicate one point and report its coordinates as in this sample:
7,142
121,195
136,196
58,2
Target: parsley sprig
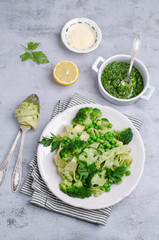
117,174
38,57
53,141
85,170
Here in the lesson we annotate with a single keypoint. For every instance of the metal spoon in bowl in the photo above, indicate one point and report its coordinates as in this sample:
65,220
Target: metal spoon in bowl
136,46
33,98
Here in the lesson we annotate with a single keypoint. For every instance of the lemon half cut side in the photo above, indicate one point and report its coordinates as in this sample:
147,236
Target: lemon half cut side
66,72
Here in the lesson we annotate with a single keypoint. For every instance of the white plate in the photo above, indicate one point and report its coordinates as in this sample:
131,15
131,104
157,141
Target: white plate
85,22
50,175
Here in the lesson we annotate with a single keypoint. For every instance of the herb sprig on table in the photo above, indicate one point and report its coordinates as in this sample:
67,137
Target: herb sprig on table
38,57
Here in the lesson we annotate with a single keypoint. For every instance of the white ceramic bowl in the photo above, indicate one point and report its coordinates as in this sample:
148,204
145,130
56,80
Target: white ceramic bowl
85,22
145,94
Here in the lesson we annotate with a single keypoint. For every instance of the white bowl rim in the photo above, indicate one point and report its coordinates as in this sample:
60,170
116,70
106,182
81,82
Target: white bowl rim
138,62
81,50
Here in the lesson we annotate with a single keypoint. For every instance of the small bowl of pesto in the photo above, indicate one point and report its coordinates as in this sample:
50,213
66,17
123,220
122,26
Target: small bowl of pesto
113,71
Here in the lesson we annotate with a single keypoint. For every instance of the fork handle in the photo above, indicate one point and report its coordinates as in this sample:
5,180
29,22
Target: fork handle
16,178
5,164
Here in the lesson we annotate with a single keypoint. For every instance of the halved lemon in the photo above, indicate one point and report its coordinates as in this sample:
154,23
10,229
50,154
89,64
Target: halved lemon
66,72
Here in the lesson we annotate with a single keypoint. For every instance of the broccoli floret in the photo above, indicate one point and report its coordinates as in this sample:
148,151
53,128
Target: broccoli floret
86,115
104,122
77,190
89,155
125,136
97,179
72,149
96,113
65,183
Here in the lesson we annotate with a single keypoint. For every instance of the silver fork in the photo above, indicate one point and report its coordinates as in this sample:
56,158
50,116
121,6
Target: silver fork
17,174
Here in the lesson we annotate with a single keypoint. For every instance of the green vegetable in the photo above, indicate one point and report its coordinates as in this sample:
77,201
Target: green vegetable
103,122
53,141
89,155
72,149
127,173
125,135
85,116
97,179
76,190
116,175
84,170
38,57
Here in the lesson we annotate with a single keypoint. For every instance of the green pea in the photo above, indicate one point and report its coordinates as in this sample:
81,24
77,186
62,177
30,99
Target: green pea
105,185
125,165
91,126
92,136
79,134
101,146
107,138
87,127
112,146
106,149
104,144
95,138
115,135
101,135
88,131
68,141
102,188
77,176
127,173
110,125
96,127
65,138
98,139
83,180
100,127
91,141
73,140
107,189
78,138
109,184
94,121
63,145
112,142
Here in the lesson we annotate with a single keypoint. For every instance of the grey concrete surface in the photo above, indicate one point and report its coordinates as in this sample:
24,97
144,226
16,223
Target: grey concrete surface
137,216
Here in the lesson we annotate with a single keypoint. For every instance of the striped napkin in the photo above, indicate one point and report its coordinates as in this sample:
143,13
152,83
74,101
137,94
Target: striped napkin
35,187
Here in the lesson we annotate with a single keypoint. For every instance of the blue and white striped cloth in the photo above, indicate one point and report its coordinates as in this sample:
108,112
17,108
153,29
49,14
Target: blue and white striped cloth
35,187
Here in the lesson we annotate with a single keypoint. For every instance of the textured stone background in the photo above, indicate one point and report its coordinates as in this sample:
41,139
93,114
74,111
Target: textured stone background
136,217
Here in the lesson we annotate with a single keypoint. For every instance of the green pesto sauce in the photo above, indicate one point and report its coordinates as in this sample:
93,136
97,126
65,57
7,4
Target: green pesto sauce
112,76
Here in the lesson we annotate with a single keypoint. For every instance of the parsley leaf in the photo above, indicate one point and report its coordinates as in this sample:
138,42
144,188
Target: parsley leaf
26,56
38,57
55,145
32,45
117,174
53,141
83,170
